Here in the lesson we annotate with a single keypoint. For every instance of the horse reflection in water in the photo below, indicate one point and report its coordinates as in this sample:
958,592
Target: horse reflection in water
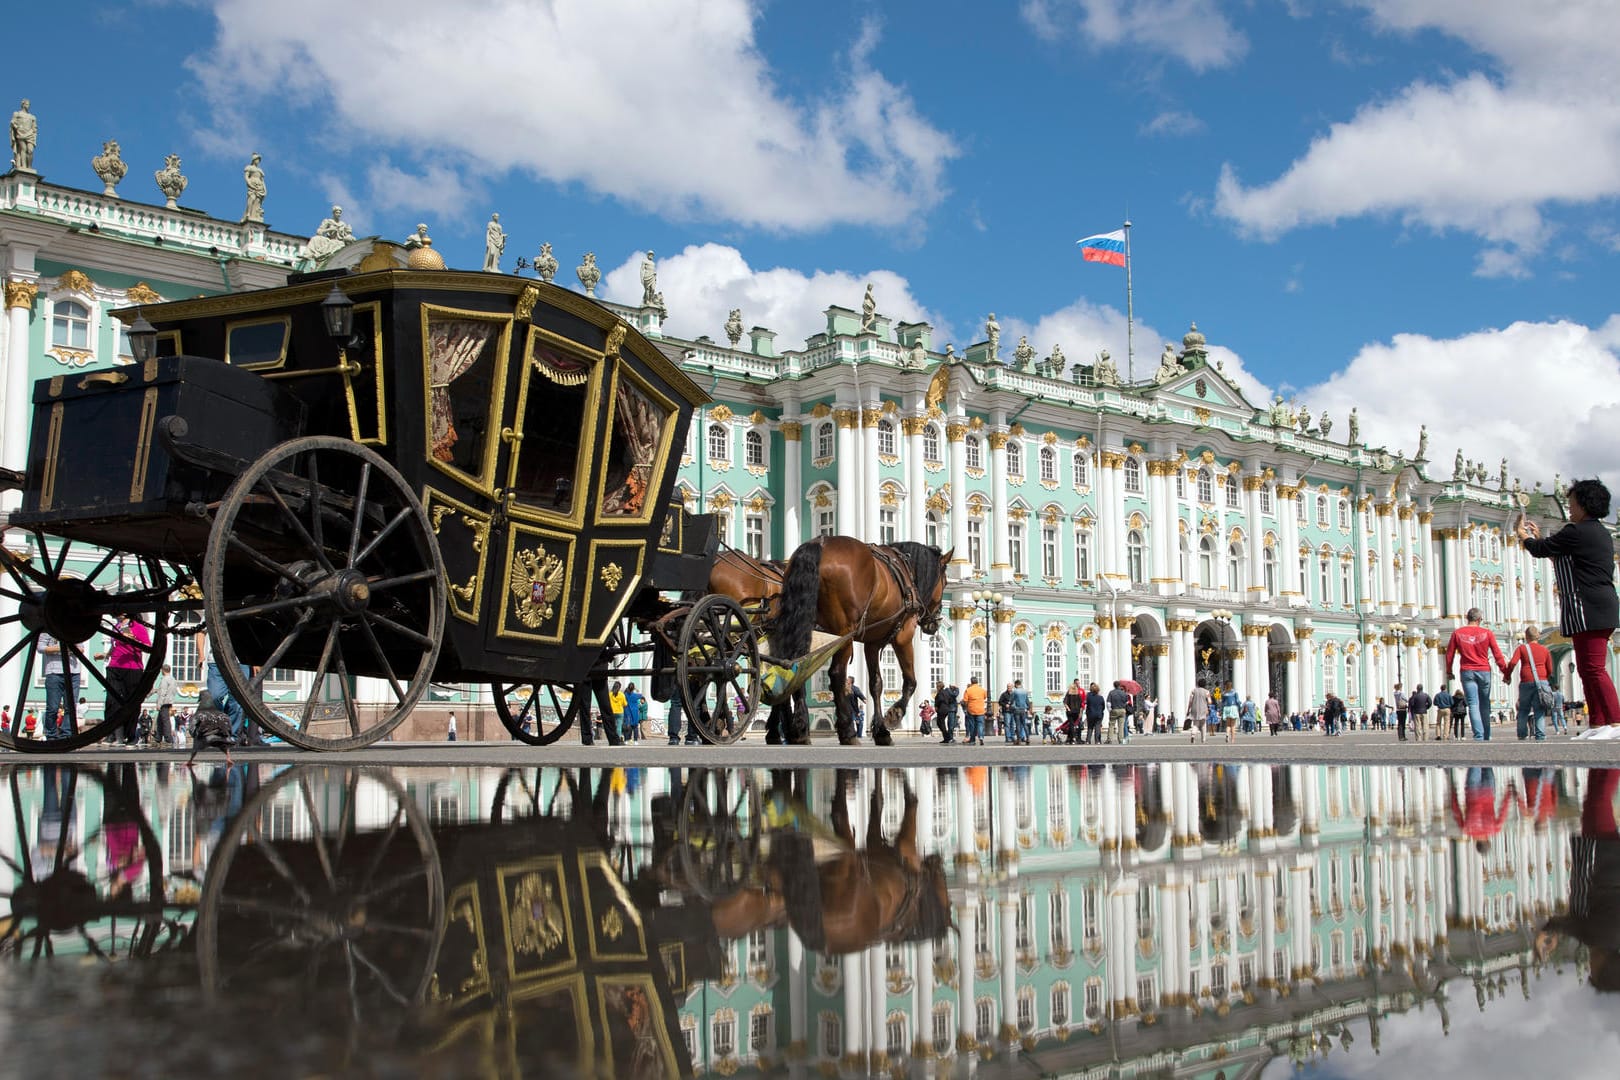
840,898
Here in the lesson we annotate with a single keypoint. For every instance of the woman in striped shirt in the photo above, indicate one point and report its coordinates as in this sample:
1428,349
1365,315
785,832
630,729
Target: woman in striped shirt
1589,609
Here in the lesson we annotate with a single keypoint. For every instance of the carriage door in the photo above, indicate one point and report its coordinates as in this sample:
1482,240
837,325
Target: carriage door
547,441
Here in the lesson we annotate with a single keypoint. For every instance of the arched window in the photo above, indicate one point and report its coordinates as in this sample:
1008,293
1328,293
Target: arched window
936,659
1322,511
1206,486
975,452
1352,692
1048,465
1186,559
1181,483
1020,662
1136,556
932,529
1054,667
1049,552
975,539
1265,499
1085,665
976,659
1344,513
1206,562
1324,573
719,443
1133,474
1268,567
1231,491
1235,565
1347,588
1369,583
1015,546
885,437
754,449
824,441
931,444
1082,554
1015,458
70,325
1082,469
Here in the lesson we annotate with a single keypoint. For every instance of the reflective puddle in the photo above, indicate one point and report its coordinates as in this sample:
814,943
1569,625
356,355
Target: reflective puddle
1170,920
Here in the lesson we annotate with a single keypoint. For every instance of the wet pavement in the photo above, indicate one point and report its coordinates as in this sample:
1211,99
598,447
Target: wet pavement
1172,919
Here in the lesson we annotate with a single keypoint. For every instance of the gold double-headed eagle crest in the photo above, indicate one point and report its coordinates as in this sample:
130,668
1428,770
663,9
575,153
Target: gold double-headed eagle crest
537,582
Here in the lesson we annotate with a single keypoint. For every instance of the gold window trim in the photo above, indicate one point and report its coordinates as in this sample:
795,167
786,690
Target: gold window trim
280,361
480,521
381,437
677,535
174,335
514,537
645,981
483,483
589,424
672,415
636,552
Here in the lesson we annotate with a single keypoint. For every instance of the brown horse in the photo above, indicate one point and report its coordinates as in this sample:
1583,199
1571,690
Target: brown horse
883,593
860,897
756,583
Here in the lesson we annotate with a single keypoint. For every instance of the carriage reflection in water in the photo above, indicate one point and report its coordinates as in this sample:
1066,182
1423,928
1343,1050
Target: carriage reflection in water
538,942
394,475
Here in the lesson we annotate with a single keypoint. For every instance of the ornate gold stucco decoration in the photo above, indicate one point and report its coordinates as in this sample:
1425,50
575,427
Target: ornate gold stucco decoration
611,574
537,579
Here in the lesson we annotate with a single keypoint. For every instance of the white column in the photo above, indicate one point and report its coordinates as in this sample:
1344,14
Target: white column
1000,566
1255,545
1408,532
916,479
961,645
1222,581
20,292
1452,563
1358,526
1387,596
849,471
798,995
1111,511
955,431
1307,671
1002,639
1008,912
792,501
1288,558
866,447
967,949
1162,527
1428,593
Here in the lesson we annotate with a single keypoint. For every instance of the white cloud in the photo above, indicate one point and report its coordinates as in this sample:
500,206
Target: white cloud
1173,122
1196,32
705,281
670,107
1484,153
1546,395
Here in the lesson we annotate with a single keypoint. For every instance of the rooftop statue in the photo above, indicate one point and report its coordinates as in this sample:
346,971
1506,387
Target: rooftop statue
331,236
422,256
868,311
1281,415
917,356
24,137
1057,361
1024,353
494,244
1105,371
253,177
545,264
1457,466
588,274
1423,442
109,166
1169,366
734,327
1304,419
1355,427
649,281
1325,424
992,332
170,182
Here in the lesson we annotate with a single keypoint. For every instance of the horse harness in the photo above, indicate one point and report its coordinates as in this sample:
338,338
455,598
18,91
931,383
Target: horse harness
899,569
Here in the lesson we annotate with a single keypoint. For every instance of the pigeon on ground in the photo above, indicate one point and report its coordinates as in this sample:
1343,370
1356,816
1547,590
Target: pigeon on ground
210,727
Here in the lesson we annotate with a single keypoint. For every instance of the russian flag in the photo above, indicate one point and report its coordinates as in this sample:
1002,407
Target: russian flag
1104,248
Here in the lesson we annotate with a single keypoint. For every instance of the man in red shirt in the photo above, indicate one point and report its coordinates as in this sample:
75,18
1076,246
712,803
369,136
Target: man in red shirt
1533,664
1474,645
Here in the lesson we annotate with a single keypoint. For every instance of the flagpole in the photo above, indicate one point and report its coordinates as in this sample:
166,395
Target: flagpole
1130,314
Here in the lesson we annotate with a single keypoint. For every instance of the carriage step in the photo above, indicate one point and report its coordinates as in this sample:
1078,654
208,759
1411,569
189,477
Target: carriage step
12,479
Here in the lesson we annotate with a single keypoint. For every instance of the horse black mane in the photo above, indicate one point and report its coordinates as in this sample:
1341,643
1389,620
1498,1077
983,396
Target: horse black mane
924,561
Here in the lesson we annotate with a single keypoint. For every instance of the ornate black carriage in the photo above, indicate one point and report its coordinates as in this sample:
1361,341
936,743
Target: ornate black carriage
393,475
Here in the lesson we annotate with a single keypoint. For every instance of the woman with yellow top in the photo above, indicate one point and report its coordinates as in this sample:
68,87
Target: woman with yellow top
616,704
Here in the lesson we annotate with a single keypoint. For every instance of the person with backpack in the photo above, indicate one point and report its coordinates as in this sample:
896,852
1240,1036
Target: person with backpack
1533,663
1096,710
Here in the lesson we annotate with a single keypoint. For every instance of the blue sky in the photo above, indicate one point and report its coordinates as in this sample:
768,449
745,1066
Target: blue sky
1405,205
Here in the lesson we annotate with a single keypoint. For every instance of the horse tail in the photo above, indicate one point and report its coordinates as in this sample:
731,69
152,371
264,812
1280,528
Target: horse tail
801,593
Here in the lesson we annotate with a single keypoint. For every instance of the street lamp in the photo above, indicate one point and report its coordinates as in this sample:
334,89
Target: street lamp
1399,632
1223,619
989,604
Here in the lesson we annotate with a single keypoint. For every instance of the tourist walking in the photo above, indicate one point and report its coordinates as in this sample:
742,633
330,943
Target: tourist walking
857,702
615,724
1199,704
1532,663
450,729
61,668
1418,706
946,701
1096,713
1472,647
1273,713
1442,712
974,700
1588,607
1558,712
163,692
1400,713
1119,703
1229,715
126,662
1074,707
635,711
1019,702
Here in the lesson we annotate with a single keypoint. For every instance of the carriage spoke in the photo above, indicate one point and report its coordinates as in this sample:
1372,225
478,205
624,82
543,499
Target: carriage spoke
17,596
84,661
378,974
17,807
382,658
388,838
61,554
106,561
315,831
403,631
257,680
351,791
266,607
384,927
315,499
348,696
382,534
277,863
354,989
320,675
17,567
261,560
359,511
95,949
398,881
22,688
297,524
23,642
126,639
380,584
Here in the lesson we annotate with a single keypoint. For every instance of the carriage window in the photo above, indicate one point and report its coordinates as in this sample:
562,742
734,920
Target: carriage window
258,344
638,428
462,357
553,425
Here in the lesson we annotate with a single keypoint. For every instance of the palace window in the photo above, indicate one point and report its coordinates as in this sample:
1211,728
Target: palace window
1049,551
1015,458
1026,1010
1181,483
1231,492
1305,573
936,659
1268,567
1015,546
1082,554
1133,475
723,1033
832,1035
1048,465
984,1014
1085,666
976,658
754,535
931,445
1094,999
1206,562
889,667
1324,578
885,438
1136,556
760,1039
1346,589
931,528
1265,499
975,539
1206,486
1351,685
719,443
944,1034
1057,824
1236,565
70,325
1322,511
888,525
183,652
1054,667
1299,508
975,452
826,521
896,1028
824,441
1344,513
1019,663
1060,1005
754,449
1082,469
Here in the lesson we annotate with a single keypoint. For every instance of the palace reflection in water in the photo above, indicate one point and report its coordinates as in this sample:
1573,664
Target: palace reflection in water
1108,920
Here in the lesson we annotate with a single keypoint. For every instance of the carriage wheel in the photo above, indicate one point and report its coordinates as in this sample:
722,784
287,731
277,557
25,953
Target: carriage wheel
518,796
52,600
717,669
322,565
719,831
545,713
86,873
342,913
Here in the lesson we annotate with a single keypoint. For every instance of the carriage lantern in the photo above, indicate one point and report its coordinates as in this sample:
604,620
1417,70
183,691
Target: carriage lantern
142,339
337,312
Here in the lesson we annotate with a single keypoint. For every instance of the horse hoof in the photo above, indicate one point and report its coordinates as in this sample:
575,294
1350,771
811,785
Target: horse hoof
799,740
848,740
882,737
